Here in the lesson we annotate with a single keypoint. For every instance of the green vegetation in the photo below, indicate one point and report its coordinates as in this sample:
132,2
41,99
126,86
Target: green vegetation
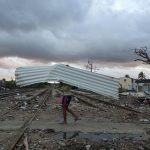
10,84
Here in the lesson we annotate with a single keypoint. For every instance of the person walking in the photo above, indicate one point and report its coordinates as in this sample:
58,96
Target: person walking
65,100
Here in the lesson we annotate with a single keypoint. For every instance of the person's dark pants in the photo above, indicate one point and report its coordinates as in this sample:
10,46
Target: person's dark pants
65,103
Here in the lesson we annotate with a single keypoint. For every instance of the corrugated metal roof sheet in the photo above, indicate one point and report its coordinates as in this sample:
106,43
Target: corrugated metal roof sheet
98,83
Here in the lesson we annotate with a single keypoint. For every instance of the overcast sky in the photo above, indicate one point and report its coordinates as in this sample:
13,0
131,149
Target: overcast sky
35,32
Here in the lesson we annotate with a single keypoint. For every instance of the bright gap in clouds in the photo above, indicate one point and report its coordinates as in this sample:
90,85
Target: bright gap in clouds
121,72
8,72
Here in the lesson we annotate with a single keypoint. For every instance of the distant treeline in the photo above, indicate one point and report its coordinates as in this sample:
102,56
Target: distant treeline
10,84
4,84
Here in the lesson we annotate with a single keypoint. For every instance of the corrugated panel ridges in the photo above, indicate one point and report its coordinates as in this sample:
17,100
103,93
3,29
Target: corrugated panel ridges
101,84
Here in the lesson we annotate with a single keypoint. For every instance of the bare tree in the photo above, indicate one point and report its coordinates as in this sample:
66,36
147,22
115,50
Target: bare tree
142,52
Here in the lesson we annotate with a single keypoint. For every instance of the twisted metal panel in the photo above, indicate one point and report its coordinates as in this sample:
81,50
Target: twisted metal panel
98,83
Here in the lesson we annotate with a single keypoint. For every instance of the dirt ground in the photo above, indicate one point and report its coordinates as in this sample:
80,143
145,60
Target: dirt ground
108,128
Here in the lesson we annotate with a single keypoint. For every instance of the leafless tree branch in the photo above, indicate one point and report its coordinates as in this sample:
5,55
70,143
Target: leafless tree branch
142,52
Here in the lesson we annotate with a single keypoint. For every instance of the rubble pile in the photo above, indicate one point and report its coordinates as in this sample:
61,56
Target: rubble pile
18,106
48,138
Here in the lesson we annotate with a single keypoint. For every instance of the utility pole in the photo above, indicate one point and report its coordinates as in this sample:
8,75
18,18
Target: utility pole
90,66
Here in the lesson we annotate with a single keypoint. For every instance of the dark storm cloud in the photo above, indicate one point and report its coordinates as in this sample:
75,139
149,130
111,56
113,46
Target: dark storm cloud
36,14
73,30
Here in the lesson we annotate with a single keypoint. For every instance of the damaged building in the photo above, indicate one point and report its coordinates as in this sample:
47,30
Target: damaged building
143,85
127,84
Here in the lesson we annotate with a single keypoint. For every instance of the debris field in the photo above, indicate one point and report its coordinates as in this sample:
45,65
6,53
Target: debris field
30,117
